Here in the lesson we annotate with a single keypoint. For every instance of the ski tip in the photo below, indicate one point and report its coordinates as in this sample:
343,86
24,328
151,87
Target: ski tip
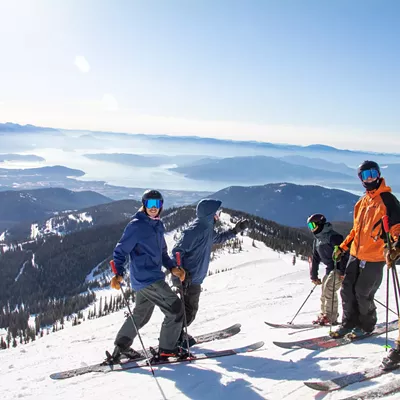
284,345
317,386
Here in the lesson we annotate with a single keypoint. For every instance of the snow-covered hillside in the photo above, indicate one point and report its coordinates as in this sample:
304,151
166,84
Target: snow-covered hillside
261,285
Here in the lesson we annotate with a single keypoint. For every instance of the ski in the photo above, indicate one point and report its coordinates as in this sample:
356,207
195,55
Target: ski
345,380
327,342
204,338
380,391
171,360
293,326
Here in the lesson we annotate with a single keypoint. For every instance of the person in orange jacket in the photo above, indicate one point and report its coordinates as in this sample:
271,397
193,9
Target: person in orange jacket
366,243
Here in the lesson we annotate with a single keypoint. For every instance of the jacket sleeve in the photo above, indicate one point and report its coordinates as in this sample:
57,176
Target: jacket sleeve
316,259
345,245
186,243
336,240
222,237
166,259
123,248
393,212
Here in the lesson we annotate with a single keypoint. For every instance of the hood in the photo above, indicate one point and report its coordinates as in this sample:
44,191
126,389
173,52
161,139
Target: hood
206,208
325,234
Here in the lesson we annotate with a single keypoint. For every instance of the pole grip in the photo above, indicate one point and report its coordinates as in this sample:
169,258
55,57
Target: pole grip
178,259
385,220
113,267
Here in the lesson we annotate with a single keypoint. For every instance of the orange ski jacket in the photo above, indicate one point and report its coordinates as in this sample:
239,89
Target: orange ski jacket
367,237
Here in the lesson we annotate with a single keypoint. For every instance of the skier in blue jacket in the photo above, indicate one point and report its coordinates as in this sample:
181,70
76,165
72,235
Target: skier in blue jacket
143,241
194,246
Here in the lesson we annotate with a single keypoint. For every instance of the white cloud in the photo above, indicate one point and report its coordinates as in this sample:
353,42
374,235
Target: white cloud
109,102
82,64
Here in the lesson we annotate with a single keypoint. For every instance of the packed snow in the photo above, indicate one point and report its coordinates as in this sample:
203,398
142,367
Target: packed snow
259,285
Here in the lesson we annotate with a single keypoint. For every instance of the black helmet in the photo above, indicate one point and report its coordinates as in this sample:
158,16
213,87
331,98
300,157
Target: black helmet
368,165
374,171
316,222
151,194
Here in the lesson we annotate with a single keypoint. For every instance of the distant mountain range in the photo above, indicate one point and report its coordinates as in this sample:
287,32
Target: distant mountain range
16,128
34,205
145,160
289,204
20,157
258,169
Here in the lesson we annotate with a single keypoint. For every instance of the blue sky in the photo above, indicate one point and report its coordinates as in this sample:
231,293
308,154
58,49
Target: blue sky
309,71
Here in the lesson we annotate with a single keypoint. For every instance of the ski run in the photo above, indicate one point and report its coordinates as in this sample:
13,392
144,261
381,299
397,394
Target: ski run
259,285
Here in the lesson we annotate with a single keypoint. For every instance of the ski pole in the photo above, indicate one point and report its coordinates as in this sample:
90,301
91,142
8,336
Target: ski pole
133,321
178,264
395,286
137,331
385,220
394,312
305,301
333,289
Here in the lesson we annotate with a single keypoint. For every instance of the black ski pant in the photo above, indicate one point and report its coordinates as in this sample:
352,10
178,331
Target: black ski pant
161,295
192,298
361,281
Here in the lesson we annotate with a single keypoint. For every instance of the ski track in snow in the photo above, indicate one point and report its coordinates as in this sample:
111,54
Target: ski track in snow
262,285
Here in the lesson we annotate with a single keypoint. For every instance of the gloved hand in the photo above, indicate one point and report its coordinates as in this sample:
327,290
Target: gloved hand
337,254
116,282
241,225
316,281
178,272
393,255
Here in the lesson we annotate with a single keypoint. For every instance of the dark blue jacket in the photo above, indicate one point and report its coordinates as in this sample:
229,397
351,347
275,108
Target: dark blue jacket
323,247
143,240
196,241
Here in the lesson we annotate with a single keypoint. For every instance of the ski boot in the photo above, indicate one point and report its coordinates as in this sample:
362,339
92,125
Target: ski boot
340,332
164,354
358,333
119,353
318,320
392,361
184,339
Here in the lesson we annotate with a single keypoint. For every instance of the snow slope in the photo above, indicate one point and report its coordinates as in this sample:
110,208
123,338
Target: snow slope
262,285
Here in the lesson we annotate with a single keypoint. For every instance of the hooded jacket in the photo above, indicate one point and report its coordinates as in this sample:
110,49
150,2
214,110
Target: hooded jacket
323,247
196,241
143,240
367,238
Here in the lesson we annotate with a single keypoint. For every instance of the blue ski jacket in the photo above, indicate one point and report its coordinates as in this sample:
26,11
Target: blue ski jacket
196,241
143,240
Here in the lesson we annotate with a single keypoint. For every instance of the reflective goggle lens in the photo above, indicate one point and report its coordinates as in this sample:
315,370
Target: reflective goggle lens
312,225
150,203
369,173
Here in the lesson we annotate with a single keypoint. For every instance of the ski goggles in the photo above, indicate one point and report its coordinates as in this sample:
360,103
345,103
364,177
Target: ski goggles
369,173
151,203
311,226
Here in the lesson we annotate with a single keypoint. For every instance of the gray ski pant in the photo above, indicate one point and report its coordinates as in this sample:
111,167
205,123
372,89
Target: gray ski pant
328,295
157,294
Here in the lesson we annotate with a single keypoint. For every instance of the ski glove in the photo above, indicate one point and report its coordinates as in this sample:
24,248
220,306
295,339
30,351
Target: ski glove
241,226
337,254
392,256
178,272
116,282
316,281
